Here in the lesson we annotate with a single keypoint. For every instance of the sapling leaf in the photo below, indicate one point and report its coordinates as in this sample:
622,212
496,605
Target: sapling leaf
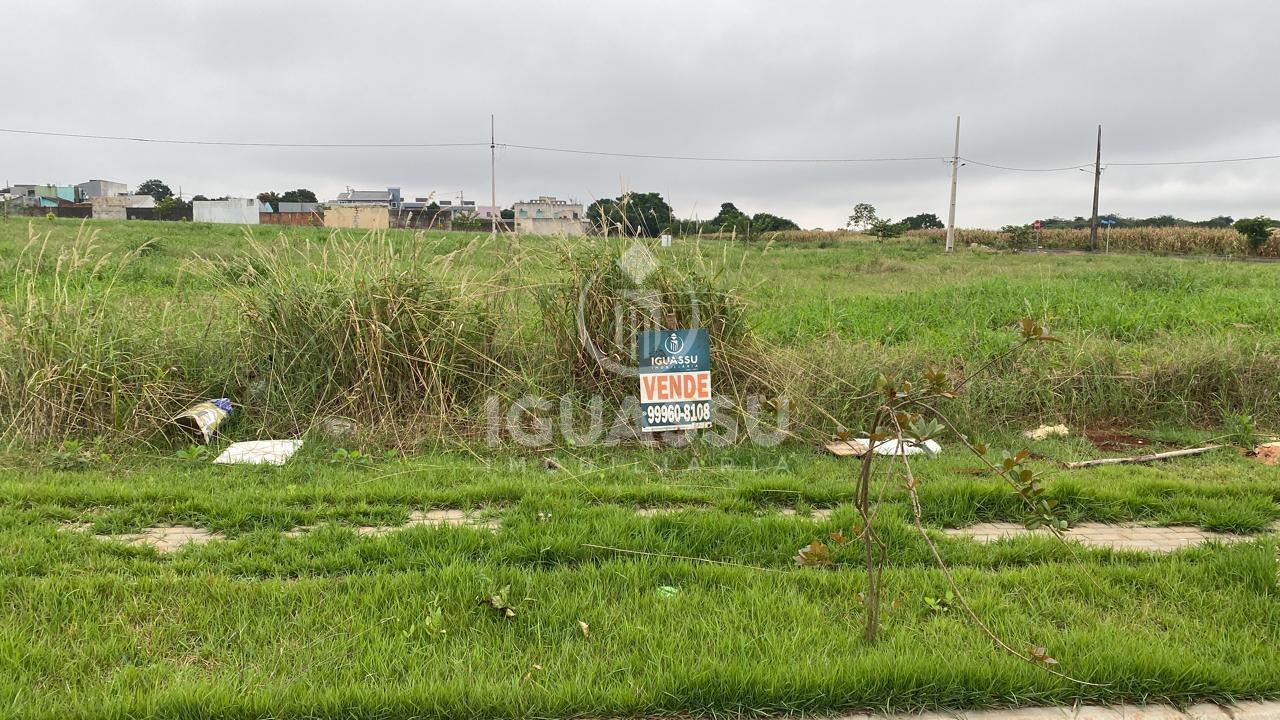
498,603
1041,655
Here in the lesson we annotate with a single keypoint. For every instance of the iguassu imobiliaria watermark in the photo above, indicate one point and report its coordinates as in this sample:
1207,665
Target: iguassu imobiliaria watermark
666,358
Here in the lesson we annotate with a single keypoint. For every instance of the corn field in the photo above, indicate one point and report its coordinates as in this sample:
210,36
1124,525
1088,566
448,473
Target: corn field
1160,241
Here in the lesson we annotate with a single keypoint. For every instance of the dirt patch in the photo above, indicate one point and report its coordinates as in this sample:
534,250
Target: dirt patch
433,518
1117,537
816,514
1116,440
165,538
1267,453
658,510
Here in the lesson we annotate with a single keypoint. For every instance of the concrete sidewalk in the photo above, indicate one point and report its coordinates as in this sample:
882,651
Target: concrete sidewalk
1242,711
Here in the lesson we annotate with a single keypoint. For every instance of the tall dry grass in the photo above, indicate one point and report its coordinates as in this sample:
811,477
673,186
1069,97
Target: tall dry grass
399,338
359,330
78,358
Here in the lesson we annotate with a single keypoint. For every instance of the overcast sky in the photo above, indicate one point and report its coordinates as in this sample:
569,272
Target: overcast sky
1032,80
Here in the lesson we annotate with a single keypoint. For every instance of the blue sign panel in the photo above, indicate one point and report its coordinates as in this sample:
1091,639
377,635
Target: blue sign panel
675,379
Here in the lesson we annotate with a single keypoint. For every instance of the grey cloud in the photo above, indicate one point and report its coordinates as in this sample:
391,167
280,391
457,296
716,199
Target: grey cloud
1167,80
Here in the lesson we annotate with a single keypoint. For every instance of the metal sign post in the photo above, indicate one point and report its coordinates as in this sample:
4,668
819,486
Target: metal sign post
1107,233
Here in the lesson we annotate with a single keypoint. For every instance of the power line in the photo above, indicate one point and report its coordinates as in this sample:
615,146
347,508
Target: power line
222,143
639,156
971,161
704,158
1198,162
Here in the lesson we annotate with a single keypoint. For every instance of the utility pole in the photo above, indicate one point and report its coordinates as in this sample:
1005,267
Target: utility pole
955,172
1097,181
495,213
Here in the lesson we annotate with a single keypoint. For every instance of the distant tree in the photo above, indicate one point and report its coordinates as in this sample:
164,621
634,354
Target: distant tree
168,208
765,222
645,214
1221,221
923,221
508,214
155,189
729,219
200,198
863,217
732,220
1255,230
270,198
885,228
301,195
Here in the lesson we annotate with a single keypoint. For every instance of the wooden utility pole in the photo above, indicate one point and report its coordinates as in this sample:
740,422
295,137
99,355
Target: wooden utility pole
494,213
1097,181
955,171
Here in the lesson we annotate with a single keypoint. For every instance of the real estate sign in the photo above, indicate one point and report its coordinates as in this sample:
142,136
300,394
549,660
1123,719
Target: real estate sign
675,379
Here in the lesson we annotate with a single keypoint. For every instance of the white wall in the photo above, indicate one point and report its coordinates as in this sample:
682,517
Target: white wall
113,208
549,226
357,217
236,211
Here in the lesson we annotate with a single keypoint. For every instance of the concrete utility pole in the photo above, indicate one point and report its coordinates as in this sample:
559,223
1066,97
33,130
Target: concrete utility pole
493,183
1097,181
955,171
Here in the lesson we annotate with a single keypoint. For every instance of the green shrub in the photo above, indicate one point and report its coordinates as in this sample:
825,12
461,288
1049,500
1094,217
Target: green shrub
1256,232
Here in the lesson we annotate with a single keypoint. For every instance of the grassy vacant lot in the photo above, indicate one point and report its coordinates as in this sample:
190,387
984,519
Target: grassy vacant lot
335,623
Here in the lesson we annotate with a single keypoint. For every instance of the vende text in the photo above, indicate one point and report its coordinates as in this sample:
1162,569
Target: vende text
675,387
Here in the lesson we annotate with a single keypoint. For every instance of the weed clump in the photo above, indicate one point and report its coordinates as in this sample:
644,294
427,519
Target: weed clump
356,334
77,361
592,314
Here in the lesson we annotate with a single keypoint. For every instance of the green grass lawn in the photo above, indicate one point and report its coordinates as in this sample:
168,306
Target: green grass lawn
694,604
335,624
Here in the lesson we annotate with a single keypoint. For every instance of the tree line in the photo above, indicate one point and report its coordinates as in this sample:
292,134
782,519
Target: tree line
166,201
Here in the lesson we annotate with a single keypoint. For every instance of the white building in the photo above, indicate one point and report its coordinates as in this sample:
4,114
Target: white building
233,211
116,207
549,216
101,188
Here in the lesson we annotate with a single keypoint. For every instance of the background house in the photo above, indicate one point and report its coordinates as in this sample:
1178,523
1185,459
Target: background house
389,198
46,196
549,216
101,188
236,211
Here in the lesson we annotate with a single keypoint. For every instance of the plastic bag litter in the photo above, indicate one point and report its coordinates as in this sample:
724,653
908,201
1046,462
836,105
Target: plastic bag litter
259,452
857,447
204,419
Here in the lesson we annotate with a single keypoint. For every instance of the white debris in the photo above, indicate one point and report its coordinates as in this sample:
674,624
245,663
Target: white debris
1047,431
259,452
858,447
